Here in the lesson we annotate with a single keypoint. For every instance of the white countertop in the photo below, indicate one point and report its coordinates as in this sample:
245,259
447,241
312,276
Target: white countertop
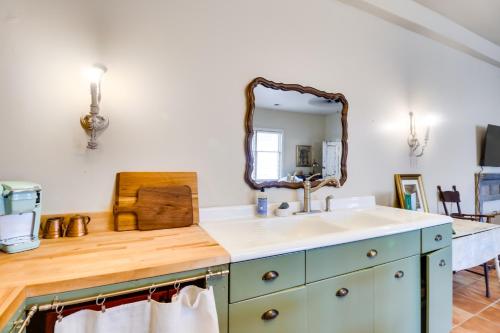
247,237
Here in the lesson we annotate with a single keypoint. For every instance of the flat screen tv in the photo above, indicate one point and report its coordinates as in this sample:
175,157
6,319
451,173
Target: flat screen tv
491,149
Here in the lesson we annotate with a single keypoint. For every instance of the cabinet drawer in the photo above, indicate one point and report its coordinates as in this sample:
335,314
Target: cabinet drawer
281,312
437,237
343,304
259,277
335,260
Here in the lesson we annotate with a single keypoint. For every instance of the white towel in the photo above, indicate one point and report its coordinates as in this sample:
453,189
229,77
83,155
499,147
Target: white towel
192,310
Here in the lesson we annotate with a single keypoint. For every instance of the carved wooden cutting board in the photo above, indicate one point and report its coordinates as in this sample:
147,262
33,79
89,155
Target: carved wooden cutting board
128,185
162,207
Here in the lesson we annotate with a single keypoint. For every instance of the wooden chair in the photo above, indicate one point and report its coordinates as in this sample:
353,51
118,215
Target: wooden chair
453,197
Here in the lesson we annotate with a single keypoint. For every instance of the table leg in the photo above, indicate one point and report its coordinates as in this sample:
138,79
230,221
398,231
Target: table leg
497,267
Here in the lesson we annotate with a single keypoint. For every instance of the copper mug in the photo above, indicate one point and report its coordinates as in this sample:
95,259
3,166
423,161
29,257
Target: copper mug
77,226
54,228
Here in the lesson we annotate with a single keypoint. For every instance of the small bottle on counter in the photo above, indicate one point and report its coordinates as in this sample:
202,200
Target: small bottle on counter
262,203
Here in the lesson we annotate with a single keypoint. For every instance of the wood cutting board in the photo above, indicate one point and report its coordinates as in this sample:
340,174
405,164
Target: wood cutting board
162,207
127,190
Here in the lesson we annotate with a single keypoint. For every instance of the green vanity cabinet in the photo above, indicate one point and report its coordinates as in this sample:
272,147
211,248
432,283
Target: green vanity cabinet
439,291
397,296
368,286
281,312
383,299
343,304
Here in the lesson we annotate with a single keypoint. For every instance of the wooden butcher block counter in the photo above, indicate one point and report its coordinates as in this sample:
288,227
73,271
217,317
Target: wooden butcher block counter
102,258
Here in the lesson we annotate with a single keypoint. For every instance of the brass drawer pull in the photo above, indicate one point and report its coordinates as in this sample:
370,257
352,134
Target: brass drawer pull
270,314
438,238
442,263
372,253
399,274
342,292
270,276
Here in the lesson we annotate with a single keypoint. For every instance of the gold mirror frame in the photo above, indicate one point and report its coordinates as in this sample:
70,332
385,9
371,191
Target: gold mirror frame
249,130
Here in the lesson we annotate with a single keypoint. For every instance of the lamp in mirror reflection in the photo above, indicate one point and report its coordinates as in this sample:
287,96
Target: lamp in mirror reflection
417,148
93,123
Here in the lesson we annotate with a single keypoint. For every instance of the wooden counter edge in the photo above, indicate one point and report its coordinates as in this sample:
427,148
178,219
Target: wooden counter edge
124,276
10,301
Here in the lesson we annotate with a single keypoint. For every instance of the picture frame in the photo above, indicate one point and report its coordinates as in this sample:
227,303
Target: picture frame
304,156
411,192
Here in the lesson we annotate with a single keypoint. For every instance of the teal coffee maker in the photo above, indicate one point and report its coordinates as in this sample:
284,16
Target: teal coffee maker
20,212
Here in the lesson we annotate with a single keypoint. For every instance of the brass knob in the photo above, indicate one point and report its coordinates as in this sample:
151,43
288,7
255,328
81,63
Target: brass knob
342,292
399,274
372,253
438,238
270,314
270,276
442,263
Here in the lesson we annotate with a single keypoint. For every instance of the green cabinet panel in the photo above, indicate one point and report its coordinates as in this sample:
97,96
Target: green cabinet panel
335,260
437,237
397,296
439,291
259,277
343,304
219,284
287,307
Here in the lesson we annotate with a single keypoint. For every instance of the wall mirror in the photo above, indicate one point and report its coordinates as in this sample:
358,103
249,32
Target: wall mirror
292,133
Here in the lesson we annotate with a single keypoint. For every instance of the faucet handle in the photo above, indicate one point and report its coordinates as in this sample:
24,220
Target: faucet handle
334,181
310,177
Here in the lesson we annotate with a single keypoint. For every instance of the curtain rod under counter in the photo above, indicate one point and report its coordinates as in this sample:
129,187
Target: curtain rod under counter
55,305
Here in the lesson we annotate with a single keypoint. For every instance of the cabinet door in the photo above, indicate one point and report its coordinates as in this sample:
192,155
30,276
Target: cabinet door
343,304
397,296
281,312
439,291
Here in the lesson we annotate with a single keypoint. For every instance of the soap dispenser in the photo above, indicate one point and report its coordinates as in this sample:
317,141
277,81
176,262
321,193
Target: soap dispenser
262,203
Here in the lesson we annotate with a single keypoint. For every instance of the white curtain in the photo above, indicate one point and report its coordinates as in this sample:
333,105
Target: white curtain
191,311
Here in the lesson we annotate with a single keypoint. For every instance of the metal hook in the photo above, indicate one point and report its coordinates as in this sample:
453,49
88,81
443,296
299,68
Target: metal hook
152,289
207,277
177,287
101,304
59,310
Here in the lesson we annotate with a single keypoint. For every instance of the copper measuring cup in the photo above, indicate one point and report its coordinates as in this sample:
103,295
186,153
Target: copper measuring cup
54,228
77,226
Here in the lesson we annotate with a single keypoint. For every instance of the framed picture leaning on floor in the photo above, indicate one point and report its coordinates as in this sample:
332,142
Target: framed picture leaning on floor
411,192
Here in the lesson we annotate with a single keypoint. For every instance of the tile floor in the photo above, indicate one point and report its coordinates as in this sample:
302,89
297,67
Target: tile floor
472,311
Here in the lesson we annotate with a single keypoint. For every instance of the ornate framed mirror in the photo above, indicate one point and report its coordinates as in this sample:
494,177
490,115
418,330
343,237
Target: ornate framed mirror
294,133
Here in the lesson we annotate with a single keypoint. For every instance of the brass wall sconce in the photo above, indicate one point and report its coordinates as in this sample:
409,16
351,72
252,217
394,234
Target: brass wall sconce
93,123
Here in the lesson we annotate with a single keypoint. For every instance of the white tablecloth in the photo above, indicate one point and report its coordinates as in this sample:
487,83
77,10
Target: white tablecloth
474,243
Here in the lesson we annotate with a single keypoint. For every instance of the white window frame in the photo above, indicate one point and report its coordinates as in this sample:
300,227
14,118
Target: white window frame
280,152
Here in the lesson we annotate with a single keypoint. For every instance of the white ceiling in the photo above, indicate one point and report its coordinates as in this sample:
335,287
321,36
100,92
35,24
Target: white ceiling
293,101
479,16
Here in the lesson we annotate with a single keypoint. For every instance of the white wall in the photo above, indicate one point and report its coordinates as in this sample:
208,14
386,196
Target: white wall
175,93
333,127
298,129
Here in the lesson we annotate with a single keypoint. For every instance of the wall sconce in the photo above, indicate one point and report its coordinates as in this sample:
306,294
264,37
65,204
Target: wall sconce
416,148
93,123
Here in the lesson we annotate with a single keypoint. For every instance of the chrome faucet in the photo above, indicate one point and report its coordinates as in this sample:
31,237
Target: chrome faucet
308,189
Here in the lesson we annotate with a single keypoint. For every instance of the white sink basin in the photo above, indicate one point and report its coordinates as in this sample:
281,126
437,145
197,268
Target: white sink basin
355,220
249,238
